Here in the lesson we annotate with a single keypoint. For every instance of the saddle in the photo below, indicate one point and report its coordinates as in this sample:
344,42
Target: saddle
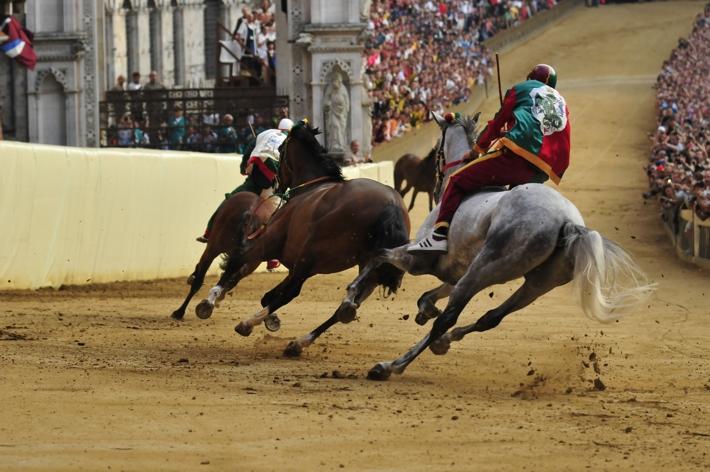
261,212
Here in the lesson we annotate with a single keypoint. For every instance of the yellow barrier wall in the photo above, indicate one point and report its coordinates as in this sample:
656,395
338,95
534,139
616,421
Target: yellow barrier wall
77,215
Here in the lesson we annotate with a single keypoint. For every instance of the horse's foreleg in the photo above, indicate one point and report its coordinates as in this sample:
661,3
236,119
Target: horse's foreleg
555,271
358,291
196,280
487,268
414,197
229,279
290,287
427,303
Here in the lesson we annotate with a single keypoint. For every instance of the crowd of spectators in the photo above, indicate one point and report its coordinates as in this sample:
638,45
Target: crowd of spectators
253,41
679,167
424,55
144,115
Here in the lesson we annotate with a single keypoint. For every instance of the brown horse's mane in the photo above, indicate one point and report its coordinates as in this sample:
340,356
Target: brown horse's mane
432,153
304,133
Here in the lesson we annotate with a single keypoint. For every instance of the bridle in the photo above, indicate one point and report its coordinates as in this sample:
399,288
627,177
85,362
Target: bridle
441,165
288,193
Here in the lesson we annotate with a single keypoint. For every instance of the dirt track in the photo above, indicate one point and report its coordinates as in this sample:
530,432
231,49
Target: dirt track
99,378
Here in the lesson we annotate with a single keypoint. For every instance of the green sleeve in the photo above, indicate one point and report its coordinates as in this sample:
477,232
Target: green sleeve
245,155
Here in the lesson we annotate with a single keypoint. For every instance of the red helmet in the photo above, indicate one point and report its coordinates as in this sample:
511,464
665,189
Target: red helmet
545,74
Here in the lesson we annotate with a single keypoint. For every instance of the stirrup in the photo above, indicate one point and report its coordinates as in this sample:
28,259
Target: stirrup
429,244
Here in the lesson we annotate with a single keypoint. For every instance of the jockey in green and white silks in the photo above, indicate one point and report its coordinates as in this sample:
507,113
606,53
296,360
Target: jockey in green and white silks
260,163
528,141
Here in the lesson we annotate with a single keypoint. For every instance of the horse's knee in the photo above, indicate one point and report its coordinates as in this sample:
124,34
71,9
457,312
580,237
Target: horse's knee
443,323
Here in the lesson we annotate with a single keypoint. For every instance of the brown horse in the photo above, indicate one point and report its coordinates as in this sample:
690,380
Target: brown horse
327,225
419,174
231,224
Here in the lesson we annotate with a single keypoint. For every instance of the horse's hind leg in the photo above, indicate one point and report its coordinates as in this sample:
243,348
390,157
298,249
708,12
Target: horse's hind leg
555,271
427,303
358,291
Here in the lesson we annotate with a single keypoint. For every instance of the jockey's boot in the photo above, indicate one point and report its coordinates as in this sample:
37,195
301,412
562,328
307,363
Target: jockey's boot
435,243
272,264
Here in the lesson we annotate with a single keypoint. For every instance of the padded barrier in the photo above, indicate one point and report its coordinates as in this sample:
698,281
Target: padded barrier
84,215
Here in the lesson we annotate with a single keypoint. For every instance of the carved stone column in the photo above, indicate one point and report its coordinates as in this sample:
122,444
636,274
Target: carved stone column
179,45
189,36
161,41
116,44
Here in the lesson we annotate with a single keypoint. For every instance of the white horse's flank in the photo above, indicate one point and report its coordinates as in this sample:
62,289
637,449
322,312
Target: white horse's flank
531,231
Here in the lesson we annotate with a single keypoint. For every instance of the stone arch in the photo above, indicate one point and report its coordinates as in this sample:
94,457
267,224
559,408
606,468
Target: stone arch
53,72
328,67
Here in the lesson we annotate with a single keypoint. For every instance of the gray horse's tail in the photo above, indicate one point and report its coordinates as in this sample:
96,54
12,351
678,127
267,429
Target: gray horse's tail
608,282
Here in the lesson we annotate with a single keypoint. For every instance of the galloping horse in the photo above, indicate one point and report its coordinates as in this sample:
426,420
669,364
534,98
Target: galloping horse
327,225
231,225
531,231
420,175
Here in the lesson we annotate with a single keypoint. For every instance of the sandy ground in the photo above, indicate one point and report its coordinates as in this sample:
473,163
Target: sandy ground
99,378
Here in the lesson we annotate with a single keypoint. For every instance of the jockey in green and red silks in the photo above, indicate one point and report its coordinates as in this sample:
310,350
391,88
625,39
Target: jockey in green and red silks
527,141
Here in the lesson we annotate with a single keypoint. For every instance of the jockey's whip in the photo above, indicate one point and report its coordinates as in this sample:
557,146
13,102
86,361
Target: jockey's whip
500,91
254,132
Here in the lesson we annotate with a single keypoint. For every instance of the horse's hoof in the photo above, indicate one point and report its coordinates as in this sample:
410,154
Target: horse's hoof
440,346
204,310
177,315
190,279
244,329
346,312
381,371
272,322
421,319
294,349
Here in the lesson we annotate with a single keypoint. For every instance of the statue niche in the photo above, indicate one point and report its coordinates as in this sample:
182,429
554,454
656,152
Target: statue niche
336,112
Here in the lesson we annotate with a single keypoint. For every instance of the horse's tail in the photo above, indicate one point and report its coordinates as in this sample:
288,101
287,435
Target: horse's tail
398,176
391,230
608,282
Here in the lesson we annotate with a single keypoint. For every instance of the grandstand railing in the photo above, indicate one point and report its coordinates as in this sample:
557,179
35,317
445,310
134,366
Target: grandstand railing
689,234
196,103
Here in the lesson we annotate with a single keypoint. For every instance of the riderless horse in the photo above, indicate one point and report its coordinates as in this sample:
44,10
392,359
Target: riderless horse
328,224
419,175
496,236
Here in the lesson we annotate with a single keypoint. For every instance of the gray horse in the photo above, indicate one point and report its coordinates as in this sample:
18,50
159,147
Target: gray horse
531,231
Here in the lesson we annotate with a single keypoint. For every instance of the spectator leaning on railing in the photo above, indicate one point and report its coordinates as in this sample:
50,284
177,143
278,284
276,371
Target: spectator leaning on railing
679,168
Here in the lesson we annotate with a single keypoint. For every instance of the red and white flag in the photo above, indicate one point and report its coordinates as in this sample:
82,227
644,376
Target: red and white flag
16,42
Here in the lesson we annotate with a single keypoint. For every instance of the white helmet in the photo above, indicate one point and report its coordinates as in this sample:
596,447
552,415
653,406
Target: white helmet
285,124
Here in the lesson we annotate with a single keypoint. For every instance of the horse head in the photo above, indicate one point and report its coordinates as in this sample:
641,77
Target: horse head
303,158
458,134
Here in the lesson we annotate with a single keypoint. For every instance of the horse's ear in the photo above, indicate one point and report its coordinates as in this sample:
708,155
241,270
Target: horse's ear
439,119
475,117
316,131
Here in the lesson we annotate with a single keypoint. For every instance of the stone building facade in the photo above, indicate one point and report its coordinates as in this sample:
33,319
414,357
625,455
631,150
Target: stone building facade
324,39
83,45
